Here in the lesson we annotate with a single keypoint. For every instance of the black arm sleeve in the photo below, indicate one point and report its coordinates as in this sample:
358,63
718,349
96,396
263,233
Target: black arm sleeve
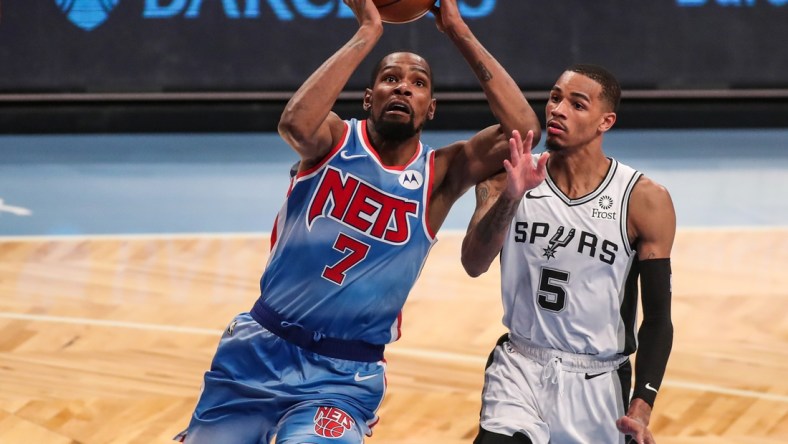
655,336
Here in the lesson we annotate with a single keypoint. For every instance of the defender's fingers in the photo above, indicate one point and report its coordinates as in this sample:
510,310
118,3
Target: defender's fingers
541,163
516,140
508,166
514,150
528,142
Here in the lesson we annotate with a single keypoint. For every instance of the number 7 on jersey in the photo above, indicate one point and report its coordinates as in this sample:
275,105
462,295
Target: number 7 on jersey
355,252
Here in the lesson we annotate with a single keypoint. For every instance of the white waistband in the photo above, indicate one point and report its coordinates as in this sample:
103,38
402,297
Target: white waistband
569,361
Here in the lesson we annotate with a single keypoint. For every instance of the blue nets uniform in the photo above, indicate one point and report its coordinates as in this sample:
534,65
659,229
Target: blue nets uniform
306,363
349,243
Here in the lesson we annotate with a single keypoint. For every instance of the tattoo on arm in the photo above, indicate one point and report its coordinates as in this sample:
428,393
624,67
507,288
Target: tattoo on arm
483,193
497,219
359,45
483,72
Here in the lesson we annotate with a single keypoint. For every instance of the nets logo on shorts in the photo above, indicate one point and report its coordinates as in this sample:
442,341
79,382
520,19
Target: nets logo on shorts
331,422
87,14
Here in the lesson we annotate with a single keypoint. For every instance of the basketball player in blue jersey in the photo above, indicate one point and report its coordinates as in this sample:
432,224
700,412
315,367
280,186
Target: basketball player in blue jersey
306,364
572,247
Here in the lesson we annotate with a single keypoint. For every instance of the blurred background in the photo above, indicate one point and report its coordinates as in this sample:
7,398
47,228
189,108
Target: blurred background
229,65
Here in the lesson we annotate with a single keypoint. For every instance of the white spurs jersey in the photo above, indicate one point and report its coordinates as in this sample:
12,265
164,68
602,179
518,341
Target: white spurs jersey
568,272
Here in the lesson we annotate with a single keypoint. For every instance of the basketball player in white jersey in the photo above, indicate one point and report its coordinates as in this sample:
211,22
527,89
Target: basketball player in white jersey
572,248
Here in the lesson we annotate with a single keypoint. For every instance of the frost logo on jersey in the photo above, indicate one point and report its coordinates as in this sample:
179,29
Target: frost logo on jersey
411,179
357,204
556,242
605,203
87,14
331,422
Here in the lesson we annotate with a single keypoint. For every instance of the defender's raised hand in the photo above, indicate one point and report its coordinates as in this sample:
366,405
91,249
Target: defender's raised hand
522,174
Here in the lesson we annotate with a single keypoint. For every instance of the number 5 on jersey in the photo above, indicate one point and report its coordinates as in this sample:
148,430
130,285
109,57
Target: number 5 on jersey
552,293
355,251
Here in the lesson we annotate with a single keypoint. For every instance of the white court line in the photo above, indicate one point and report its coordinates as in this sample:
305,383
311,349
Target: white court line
393,350
111,324
18,211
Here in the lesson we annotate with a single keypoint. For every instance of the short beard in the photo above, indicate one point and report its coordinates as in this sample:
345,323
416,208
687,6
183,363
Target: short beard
552,146
396,131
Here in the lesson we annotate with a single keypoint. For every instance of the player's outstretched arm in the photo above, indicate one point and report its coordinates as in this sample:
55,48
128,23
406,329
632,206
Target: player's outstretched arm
505,99
652,221
496,202
307,122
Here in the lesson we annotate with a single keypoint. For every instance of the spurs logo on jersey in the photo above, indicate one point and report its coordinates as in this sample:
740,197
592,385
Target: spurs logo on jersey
361,206
556,242
587,243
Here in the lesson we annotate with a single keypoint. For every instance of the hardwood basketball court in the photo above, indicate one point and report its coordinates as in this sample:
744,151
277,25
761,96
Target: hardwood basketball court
105,339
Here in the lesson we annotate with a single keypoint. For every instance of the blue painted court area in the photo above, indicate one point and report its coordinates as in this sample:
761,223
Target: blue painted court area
235,183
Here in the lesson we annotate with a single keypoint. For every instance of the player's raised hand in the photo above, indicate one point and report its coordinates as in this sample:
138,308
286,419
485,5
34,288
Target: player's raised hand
521,173
447,15
365,11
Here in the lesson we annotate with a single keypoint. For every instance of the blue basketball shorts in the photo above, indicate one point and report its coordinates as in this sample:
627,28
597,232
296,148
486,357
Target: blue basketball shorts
261,386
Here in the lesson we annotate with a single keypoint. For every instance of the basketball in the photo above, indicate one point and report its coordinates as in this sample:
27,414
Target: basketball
402,11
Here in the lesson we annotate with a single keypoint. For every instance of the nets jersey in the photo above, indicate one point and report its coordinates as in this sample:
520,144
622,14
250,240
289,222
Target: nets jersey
568,272
350,242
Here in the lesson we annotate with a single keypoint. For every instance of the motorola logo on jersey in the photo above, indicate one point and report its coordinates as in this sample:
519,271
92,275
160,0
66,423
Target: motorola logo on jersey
411,179
359,205
89,14
605,203
557,240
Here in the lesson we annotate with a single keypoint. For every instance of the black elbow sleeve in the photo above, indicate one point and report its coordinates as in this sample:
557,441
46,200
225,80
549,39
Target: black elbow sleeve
655,336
